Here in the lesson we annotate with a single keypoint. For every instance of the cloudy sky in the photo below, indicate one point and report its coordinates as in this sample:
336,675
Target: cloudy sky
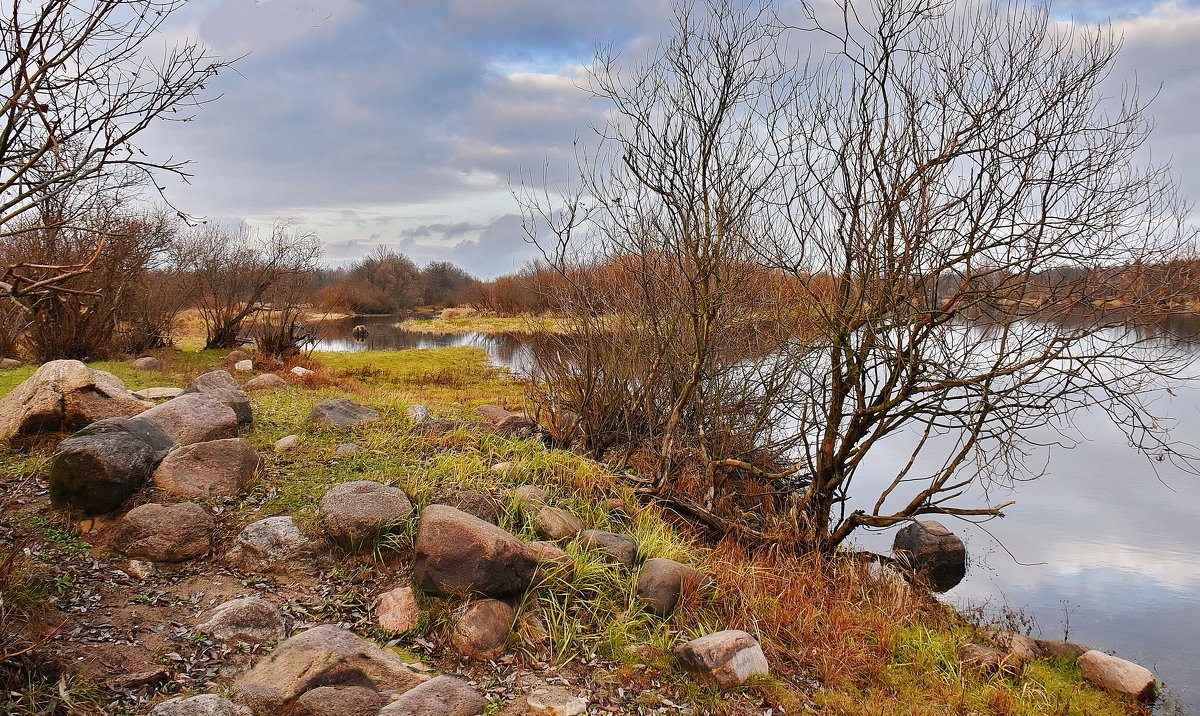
402,122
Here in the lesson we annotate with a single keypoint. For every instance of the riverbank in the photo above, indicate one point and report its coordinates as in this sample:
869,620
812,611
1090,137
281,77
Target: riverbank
839,638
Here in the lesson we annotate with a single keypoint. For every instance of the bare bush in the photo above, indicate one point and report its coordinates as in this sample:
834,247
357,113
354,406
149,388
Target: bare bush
238,272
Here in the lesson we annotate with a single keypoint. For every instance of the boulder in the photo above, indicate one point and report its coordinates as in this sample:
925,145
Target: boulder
478,504
238,355
660,583
502,418
164,393
504,469
932,551
339,413
1060,649
355,514
457,553
10,363
98,468
419,414
325,655
554,564
287,442
987,661
301,371
202,705
63,396
551,523
224,387
147,363
216,468
244,619
274,545
440,696
347,450
527,494
244,366
140,569
727,658
194,418
338,701
622,549
397,610
481,631
266,381
164,533
555,701
1116,674
1017,647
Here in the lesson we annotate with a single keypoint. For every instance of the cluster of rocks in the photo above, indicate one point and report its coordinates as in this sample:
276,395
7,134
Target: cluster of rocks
938,556
189,448
1008,652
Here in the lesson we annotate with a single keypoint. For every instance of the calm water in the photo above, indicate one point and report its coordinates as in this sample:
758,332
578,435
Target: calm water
384,335
1104,549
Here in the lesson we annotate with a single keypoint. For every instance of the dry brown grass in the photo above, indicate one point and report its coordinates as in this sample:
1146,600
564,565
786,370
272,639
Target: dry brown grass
819,618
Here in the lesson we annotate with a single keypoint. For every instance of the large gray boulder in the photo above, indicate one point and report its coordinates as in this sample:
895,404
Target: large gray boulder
932,551
727,658
164,533
355,514
194,418
457,553
244,619
99,467
326,655
215,468
224,387
1116,674
275,545
661,582
202,705
62,396
339,413
440,696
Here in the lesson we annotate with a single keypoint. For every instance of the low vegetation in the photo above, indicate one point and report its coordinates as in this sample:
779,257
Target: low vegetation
840,638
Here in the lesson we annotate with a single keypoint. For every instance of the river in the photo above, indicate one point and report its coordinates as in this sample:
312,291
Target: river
1103,549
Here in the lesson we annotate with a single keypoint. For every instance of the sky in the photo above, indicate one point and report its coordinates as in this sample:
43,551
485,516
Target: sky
404,123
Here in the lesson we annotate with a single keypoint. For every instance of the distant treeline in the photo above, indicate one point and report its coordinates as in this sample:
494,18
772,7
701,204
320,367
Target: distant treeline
390,282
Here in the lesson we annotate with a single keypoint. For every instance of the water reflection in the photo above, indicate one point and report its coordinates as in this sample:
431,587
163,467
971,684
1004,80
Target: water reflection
382,333
1104,548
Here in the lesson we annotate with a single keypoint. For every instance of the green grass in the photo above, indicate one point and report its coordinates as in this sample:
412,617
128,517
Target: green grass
486,324
872,653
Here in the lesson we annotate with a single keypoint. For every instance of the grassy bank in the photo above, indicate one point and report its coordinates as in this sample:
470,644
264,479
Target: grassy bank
840,638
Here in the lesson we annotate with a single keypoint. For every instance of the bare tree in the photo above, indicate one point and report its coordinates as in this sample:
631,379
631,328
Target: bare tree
238,272
958,211
655,241
76,90
960,189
